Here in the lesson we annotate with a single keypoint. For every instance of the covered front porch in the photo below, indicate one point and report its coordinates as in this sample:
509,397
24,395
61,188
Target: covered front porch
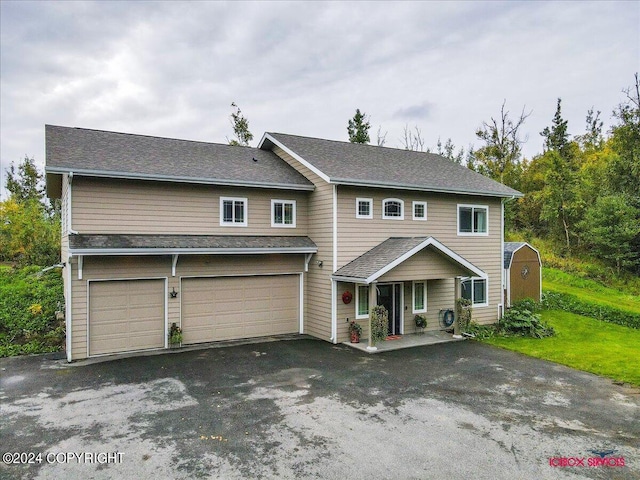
409,277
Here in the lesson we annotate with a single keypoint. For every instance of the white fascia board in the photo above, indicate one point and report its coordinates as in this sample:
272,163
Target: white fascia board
439,246
177,179
304,162
339,278
188,251
420,188
514,253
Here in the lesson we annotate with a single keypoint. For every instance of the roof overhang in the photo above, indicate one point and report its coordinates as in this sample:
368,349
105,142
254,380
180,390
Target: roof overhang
424,188
52,170
188,251
429,242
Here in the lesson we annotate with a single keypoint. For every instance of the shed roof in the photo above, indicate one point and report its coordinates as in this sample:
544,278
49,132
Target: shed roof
510,248
103,244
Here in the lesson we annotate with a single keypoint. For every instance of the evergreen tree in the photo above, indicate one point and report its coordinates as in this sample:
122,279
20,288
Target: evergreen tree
358,128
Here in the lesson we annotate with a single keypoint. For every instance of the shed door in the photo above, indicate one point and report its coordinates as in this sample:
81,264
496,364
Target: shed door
126,315
224,308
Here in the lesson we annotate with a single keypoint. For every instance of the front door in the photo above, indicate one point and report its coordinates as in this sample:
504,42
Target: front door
390,296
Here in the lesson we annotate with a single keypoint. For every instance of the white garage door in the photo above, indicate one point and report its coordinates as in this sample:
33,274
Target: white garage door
225,308
126,315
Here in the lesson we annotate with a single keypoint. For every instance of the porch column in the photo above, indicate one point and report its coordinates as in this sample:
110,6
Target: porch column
456,289
373,301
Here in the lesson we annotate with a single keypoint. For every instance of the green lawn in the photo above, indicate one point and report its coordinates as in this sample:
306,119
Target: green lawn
584,344
588,290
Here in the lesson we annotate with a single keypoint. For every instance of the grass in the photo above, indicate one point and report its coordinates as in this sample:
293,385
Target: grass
588,290
585,344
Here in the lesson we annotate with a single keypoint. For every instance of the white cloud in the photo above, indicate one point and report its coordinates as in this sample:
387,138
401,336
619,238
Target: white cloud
173,68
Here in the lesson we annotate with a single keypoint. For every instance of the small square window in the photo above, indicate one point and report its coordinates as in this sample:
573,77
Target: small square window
473,220
283,213
364,208
233,211
475,289
419,210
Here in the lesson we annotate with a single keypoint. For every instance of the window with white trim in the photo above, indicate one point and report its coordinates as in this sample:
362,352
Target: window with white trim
392,209
233,211
362,301
283,213
420,297
419,210
475,289
364,207
473,220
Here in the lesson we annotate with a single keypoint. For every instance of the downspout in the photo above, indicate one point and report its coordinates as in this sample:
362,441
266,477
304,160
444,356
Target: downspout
67,308
334,285
503,286
71,230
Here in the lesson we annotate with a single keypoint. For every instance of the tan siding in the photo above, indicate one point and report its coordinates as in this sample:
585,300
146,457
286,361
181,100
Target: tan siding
119,206
425,264
356,236
160,267
318,280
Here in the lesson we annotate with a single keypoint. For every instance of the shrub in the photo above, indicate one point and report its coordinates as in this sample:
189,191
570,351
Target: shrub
421,322
481,331
463,313
379,324
523,323
28,302
570,303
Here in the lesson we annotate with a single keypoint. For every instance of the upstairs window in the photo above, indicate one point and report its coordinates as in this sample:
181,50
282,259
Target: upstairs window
392,209
283,213
473,220
233,211
419,210
475,289
364,208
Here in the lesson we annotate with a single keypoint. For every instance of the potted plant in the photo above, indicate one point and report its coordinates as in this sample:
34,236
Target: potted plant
421,322
175,335
355,331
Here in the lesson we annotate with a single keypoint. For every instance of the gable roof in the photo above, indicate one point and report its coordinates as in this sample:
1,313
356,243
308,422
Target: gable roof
368,165
121,155
512,247
387,255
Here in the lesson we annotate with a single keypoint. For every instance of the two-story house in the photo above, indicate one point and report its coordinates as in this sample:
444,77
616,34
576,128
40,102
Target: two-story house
238,242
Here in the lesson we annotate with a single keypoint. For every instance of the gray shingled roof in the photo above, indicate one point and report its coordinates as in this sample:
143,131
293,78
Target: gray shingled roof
375,262
357,164
509,248
124,155
86,243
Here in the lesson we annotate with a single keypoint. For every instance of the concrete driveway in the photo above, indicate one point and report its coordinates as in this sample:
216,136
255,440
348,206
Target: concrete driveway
308,409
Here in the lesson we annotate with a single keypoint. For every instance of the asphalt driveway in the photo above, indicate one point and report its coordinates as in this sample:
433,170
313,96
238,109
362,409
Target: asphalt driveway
309,409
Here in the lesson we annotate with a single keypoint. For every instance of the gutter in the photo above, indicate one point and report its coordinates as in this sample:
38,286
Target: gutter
167,178
188,251
422,188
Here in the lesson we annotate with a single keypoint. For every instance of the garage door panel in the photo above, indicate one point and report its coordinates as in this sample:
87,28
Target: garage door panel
239,307
126,315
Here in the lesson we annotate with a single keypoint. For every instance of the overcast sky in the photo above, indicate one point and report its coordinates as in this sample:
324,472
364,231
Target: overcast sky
172,69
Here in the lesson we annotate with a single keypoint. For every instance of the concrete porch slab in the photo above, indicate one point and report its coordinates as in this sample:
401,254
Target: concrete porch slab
406,341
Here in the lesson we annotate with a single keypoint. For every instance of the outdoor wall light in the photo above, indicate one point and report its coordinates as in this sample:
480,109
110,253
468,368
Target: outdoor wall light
173,293
319,262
